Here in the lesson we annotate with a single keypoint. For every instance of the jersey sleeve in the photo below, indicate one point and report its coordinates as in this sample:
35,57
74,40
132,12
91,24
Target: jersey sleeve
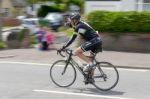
80,29
71,40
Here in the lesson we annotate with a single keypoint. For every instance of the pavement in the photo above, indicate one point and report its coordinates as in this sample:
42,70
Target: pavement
33,55
119,59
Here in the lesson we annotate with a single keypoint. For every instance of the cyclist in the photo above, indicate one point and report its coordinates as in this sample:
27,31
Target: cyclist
92,39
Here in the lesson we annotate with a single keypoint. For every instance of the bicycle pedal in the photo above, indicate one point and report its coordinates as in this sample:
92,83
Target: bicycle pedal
81,68
91,80
86,82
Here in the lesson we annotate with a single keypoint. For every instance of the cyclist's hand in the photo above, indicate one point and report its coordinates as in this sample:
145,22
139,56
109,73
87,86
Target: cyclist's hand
60,50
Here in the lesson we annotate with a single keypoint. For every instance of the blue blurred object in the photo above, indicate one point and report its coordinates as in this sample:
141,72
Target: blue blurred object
55,20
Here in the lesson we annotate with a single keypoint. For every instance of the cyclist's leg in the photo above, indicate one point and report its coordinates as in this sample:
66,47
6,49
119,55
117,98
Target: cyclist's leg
96,49
79,52
89,45
93,45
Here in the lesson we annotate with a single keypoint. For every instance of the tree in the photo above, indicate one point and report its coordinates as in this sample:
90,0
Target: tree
58,1
79,3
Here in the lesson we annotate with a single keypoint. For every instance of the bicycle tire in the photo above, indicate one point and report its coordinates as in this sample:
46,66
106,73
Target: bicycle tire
70,73
105,69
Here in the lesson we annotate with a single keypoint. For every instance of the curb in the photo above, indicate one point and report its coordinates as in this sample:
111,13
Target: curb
7,56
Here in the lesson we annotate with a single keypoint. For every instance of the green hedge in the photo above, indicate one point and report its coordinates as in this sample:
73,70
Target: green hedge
120,22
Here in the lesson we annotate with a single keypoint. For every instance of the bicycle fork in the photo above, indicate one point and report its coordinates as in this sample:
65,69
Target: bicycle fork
67,62
64,70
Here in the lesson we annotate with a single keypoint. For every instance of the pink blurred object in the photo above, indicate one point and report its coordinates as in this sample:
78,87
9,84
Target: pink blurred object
49,38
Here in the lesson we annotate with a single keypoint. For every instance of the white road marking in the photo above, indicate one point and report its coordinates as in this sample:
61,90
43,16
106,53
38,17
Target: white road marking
134,70
125,69
24,63
80,94
42,64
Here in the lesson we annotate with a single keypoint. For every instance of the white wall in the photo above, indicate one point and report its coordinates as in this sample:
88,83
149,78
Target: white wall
128,5
33,11
123,5
102,5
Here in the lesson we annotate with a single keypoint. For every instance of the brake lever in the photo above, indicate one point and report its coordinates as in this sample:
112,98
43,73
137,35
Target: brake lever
59,52
62,54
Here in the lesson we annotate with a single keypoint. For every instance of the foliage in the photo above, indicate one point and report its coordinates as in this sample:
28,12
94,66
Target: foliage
69,32
43,22
100,20
59,3
120,22
22,34
33,40
35,1
3,45
44,10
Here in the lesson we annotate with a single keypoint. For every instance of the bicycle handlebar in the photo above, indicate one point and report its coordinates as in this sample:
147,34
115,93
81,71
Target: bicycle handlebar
59,52
68,51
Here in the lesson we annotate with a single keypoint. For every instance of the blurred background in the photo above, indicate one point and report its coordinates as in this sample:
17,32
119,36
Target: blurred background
123,24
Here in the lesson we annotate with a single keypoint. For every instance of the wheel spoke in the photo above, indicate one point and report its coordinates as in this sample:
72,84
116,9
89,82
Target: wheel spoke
62,75
106,76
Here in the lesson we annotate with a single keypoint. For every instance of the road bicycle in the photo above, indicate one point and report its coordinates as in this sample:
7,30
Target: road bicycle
63,73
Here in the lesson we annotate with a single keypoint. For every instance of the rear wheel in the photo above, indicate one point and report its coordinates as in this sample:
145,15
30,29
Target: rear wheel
61,74
105,76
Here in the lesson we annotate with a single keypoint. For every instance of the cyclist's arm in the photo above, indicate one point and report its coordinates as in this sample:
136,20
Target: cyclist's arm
71,40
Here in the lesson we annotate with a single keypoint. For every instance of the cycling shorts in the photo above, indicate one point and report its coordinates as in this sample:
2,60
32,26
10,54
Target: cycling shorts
94,45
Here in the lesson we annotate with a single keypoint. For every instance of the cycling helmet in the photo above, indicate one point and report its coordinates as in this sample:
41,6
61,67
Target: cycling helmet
75,16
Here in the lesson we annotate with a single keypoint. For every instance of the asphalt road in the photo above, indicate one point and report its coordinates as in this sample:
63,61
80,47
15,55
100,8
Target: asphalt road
31,81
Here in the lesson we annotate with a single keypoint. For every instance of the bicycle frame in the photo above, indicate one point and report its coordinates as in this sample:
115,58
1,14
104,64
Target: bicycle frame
90,77
78,67
71,60
74,64
81,71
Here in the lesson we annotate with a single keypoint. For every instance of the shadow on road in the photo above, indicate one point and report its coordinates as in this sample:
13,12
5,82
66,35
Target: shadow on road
95,91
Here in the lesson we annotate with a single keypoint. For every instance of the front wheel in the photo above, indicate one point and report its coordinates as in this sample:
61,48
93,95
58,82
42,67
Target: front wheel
63,74
105,76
